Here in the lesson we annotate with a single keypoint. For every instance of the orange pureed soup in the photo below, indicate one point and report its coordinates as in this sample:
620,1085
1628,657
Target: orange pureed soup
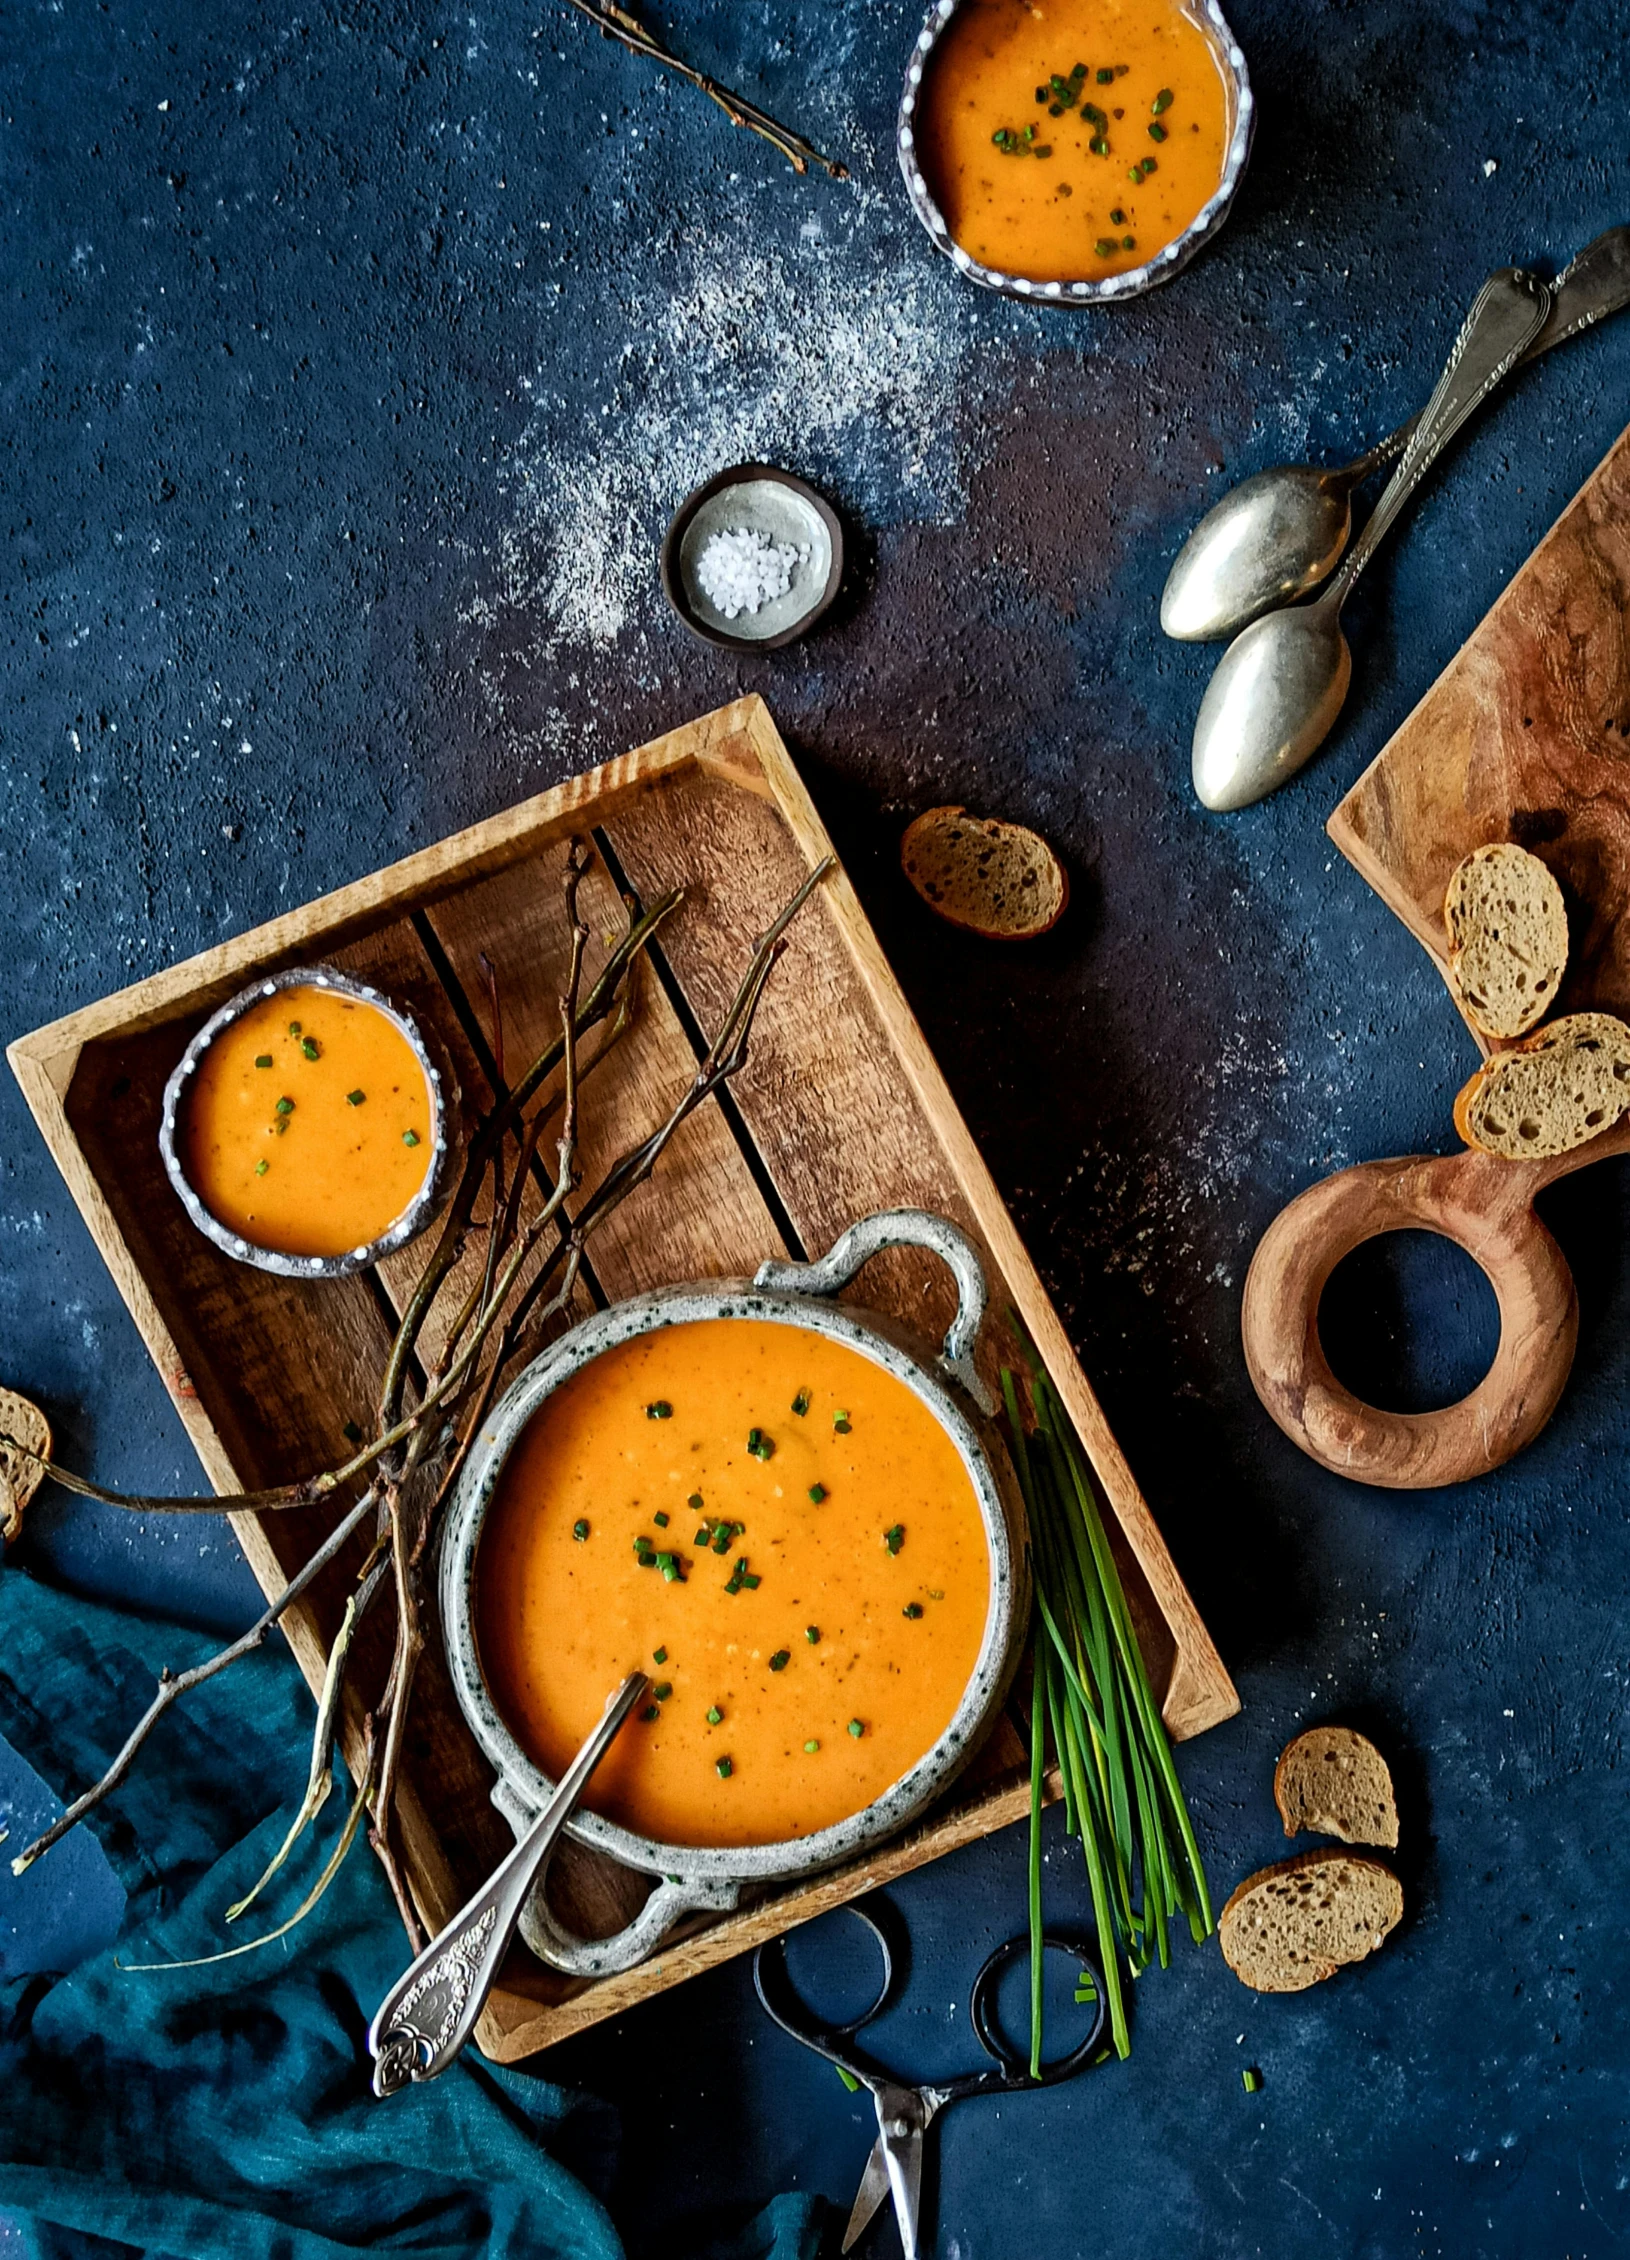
774,1529
1069,140
306,1128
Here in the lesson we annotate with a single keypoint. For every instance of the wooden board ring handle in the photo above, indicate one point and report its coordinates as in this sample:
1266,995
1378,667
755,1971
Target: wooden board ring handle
1487,1206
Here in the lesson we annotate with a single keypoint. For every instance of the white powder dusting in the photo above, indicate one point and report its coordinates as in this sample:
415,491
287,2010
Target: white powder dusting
742,569
837,351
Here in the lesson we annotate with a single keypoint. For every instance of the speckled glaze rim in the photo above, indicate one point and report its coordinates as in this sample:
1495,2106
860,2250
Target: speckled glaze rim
419,1210
694,1876
1165,263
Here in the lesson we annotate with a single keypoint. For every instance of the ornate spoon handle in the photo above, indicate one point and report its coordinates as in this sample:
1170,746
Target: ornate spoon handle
431,2010
1509,311
1594,284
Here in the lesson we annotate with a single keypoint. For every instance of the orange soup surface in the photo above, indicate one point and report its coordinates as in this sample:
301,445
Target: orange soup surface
774,1529
1069,140
307,1127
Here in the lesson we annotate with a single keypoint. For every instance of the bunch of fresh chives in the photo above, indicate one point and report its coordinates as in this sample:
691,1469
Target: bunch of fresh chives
1092,1706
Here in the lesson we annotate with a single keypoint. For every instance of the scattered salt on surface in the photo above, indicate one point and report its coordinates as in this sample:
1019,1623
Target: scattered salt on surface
741,569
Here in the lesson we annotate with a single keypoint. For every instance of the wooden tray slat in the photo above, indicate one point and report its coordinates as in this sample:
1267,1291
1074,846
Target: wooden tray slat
840,1110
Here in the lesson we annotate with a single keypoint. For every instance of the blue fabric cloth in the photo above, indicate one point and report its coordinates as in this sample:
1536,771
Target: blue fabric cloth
224,2113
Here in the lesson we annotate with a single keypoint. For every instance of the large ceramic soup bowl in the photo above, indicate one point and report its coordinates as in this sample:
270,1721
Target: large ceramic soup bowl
798,1519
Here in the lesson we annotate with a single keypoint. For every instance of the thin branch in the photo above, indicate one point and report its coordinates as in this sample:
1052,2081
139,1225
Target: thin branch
173,1685
616,23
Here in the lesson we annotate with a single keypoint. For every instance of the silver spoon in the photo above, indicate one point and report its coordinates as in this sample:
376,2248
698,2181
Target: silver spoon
1280,684
431,2010
1278,533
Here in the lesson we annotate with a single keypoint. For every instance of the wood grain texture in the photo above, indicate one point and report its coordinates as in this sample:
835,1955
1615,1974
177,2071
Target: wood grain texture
1525,736
841,1110
1485,1204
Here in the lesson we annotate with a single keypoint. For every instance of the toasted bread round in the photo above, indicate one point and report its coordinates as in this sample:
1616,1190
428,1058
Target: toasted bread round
995,879
1560,1088
1293,1925
1508,938
1335,1782
20,1476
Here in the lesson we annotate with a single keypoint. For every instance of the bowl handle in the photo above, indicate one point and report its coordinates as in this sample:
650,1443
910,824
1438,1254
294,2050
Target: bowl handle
903,1228
562,1949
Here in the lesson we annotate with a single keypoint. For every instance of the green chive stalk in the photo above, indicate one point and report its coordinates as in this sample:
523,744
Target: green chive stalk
1092,1708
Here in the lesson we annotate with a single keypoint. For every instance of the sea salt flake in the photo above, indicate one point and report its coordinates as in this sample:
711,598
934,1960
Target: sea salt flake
742,569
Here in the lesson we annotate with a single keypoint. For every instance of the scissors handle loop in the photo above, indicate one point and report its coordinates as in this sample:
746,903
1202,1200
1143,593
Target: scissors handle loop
1013,2064
772,1981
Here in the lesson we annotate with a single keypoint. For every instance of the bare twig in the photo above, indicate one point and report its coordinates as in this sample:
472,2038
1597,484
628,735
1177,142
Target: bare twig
616,23
172,1685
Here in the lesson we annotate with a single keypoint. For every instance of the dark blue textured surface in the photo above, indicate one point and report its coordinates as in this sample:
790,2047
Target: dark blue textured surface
353,361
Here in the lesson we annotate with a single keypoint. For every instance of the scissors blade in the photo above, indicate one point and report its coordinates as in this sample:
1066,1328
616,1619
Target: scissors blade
874,2187
903,2114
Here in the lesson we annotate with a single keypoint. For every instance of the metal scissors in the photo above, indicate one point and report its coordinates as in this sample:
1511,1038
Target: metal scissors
904,2114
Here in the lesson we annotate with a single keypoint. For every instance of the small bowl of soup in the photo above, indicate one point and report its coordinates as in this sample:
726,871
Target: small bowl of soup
1074,152
798,1520
307,1127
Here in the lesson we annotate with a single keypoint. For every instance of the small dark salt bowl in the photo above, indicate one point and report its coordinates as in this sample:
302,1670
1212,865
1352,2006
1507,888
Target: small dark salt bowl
443,1115
1166,262
761,499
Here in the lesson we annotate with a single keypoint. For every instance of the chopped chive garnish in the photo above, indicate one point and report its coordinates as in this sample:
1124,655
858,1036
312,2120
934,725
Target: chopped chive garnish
751,1582
895,1537
355,1098
1251,2079
856,1729
659,1655
1041,94
811,1748
812,1633
724,1769
1117,218
265,1060
1078,73
649,1713
1104,78
817,1492
294,1027
721,1539
936,1592
1162,101
695,1502
912,1609
580,1530
661,1410
672,1568
410,1137
714,1714
1086,1988
800,1403
1149,165
309,1048
1055,109
1100,147
660,1519
759,1444
1042,149
840,1424
702,1537
1135,174
351,1432
780,1660
662,1690
1104,246
1129,243
261,1167
284,1106
1157,131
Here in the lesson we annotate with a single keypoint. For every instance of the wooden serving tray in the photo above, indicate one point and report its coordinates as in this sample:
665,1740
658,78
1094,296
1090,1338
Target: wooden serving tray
839,1111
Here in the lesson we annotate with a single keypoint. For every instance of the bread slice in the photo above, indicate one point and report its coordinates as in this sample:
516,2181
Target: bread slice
20,1476
1565,1085
999,880
1508,938
1335,1782
1292,1925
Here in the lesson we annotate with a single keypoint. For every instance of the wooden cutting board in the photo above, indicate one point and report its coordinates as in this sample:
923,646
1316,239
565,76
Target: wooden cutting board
1524,736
